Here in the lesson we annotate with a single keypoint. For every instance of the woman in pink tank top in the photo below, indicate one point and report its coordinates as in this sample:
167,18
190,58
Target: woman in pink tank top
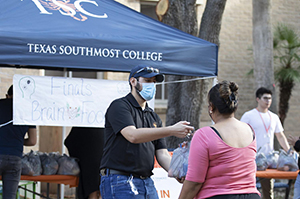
222,156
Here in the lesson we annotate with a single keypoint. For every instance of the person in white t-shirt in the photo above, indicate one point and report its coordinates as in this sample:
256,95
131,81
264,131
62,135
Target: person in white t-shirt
265,124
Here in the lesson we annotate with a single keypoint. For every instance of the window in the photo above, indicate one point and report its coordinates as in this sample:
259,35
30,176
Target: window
148,8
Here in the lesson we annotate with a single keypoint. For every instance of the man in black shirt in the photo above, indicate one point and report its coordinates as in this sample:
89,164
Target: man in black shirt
133,136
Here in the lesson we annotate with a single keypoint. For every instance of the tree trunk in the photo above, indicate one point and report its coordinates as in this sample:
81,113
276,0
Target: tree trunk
185,99
211,21
263,50
263,47
181,96
182,15
184,103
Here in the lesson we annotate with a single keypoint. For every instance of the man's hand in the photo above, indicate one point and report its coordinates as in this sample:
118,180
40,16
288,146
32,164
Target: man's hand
182,129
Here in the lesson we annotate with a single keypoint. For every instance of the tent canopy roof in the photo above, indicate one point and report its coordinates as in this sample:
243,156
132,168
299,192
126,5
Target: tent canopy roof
100,35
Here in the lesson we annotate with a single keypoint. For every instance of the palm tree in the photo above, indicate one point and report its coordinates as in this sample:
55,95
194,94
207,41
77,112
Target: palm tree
286,45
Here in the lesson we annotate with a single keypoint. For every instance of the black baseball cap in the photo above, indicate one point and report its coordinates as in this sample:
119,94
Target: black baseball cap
146,71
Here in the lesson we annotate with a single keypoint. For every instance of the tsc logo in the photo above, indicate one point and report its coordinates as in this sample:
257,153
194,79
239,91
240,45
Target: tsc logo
65,7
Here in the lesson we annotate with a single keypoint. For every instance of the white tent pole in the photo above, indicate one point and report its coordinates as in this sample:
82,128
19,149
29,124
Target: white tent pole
215,81
62,186
64,128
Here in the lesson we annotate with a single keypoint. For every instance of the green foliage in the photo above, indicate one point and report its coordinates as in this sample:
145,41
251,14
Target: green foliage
250,73
286,58
287,74
286,45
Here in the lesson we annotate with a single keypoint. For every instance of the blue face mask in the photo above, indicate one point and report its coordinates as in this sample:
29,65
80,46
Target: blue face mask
148,91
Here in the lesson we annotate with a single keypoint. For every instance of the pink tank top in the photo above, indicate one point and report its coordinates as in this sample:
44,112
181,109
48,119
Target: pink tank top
221,168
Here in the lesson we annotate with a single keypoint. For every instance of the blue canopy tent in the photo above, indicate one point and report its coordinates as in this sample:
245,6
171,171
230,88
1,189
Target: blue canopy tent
100,35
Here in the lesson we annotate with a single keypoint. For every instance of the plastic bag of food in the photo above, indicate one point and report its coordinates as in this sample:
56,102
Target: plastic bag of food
31,164
287,161
26,166
68,166
261,162
49,164
55,155
179,162
272,159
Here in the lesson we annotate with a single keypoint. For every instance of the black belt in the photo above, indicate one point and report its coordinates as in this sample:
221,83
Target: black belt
104,172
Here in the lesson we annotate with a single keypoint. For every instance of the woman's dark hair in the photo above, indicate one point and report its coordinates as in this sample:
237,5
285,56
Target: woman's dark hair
223,96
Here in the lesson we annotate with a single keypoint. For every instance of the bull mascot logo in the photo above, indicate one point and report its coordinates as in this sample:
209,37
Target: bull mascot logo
67,8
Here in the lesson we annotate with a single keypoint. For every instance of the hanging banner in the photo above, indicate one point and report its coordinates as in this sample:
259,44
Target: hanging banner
59,101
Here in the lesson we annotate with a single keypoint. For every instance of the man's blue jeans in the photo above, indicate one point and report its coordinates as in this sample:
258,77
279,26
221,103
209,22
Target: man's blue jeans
10,169
115,186
297,188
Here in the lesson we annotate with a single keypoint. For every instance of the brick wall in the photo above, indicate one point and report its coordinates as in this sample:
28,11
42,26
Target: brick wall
6,77
235,60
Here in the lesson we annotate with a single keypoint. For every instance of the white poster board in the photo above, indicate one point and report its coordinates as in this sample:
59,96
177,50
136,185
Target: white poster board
166,187
60,101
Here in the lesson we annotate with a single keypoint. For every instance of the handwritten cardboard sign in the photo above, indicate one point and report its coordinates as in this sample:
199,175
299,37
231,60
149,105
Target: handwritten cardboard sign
60,101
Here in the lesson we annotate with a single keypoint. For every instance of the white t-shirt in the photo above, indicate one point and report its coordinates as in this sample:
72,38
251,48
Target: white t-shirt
261,122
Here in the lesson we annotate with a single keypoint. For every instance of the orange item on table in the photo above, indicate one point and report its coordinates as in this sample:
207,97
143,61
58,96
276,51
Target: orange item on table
70,180
274,173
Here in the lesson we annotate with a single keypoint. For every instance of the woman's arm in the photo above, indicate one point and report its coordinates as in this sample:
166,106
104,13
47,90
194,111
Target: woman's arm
32,138
189,189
